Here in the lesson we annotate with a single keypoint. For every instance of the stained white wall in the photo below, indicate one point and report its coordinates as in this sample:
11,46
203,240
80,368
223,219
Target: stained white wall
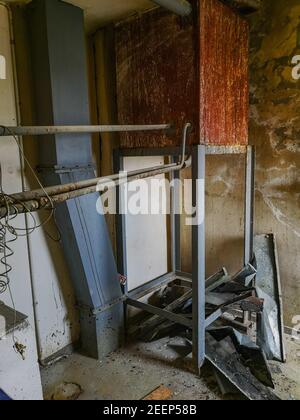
146,235
57,321
20,379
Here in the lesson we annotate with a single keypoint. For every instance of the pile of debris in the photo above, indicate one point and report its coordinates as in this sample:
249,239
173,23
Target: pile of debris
248,330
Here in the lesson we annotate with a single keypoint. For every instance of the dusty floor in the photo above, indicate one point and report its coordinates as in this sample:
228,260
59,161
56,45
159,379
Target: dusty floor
134,372
287,376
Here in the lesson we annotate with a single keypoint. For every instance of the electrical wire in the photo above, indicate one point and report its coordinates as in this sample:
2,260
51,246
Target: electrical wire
9,234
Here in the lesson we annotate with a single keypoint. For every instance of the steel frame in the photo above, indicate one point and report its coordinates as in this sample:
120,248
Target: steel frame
197,279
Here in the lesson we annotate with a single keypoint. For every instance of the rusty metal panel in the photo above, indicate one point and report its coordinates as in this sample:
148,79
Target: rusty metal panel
171,69
224,86
156,73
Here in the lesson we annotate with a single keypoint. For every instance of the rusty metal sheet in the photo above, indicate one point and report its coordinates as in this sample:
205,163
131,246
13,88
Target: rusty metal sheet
224,86
160,59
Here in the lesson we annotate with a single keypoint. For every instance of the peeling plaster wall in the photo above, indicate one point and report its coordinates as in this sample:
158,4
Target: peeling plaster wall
275,130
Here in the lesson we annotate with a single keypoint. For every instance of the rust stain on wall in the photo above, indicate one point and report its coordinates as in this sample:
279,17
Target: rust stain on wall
156,74
161,59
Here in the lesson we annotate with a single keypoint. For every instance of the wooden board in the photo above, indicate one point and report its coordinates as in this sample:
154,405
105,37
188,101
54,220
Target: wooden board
178,70
159,394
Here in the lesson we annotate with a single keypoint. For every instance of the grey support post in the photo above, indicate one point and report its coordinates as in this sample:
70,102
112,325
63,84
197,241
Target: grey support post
249,203
198,253
176,219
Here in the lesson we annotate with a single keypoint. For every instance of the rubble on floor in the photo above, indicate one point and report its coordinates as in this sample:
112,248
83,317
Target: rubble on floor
67,392
246,328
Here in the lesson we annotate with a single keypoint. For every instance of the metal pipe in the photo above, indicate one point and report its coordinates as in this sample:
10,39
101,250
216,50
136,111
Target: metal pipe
179,7
66,188
72,129
45,203
38,199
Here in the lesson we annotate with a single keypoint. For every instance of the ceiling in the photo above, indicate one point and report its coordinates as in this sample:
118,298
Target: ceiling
101,12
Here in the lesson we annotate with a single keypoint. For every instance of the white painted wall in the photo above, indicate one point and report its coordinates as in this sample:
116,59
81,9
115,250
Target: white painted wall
57,321
146,235
20,379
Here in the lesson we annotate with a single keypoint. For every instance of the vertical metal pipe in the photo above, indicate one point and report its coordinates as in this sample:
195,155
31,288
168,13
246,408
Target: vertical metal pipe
249,204
198,253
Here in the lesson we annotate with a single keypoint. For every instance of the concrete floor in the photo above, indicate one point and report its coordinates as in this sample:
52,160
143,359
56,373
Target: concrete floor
287,376
134,372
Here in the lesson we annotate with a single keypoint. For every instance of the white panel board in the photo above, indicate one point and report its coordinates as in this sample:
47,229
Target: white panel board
19,378
146,235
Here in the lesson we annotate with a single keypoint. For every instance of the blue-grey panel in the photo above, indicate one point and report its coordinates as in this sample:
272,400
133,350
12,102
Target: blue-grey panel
61,96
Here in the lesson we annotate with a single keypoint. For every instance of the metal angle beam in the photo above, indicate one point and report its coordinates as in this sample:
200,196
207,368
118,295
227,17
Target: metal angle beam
213,317
155,320
249,204
151,286
199,254
178,319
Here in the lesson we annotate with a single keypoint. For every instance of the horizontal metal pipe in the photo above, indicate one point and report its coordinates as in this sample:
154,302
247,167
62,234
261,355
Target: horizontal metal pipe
66,188
61,189
179,7
47,197
72,129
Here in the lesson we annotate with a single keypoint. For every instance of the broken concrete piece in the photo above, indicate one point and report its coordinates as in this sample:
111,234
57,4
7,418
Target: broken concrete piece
67,392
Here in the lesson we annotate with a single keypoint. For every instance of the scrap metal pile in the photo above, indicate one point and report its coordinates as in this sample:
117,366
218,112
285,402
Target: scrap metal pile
248,331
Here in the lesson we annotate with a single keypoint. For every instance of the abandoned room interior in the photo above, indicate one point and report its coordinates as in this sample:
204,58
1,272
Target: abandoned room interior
150,200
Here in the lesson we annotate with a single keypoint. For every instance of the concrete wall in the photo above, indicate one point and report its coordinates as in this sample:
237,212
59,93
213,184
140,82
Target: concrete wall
19,378
275,130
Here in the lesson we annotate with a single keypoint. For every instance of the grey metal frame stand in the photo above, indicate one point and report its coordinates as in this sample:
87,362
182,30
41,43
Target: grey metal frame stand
196,281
